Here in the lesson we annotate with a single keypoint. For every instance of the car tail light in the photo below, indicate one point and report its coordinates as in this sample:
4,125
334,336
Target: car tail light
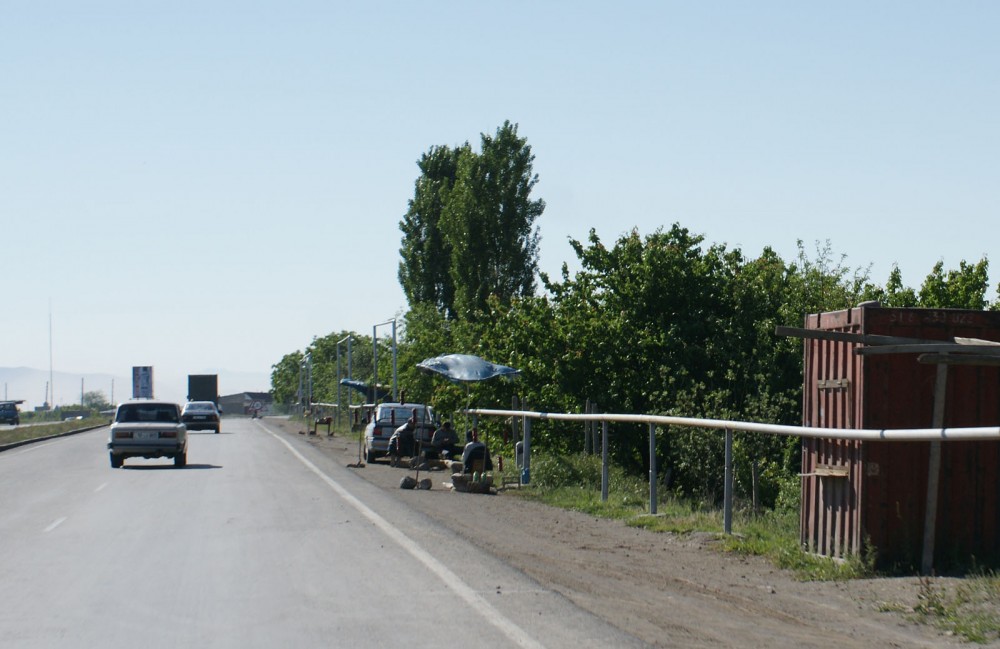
170,434
122,434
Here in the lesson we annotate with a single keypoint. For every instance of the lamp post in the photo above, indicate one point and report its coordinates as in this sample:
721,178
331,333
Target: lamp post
395,391
305,381
349,338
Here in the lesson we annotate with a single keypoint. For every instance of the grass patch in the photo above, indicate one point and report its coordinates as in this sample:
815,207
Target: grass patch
22,433
968,611
574,483
775,535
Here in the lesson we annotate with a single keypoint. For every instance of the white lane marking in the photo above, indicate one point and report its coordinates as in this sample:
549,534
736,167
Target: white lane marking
515,633
56,523
98,490
27,448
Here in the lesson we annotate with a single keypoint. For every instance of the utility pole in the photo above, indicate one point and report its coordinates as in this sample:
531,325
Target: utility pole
50,389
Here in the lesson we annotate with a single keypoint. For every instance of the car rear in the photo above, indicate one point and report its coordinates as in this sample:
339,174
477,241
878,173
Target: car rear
147,429
390,416
9,414
201,415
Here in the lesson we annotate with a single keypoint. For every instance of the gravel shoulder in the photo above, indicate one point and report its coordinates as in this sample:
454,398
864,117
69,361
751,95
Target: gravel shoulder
667,590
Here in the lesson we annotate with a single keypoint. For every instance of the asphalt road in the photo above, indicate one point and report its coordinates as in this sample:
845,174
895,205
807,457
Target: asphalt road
259,542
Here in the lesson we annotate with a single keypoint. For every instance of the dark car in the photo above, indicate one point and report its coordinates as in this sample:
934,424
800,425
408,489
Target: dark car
9,413
201,415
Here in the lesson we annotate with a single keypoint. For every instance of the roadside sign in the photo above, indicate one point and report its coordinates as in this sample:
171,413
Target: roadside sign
142,382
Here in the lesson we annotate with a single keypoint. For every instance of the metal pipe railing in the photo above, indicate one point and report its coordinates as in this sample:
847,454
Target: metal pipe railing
863,434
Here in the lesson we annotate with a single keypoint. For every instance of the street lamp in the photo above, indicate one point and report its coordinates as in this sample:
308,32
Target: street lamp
305,375
395,392
349,338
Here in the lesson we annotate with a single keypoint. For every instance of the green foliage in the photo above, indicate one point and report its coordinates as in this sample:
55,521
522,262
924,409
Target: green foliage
964,288
574,482
489,222
96,400
664,323
285,378
425,265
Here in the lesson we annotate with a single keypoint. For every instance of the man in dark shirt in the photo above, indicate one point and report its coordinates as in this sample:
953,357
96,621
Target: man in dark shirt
476,450
401,442
445,441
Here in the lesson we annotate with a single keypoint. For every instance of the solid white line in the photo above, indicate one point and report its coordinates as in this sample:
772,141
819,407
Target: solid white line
27,448
515,633
56,523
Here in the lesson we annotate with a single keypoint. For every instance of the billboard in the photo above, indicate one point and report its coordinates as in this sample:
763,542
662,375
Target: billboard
142,382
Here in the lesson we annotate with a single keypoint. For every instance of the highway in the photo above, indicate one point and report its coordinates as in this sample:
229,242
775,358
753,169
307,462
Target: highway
261,541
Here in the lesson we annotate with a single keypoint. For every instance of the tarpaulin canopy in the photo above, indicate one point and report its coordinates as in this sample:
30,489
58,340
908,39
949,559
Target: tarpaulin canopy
465,368
365,389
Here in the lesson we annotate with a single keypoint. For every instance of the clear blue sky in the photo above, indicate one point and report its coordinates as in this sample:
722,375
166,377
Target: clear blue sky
209,185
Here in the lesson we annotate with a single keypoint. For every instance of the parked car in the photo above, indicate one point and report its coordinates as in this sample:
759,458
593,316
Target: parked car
147,429
201,415
9,413
387,417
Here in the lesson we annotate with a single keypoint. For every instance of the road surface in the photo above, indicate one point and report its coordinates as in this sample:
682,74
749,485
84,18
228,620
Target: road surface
261,541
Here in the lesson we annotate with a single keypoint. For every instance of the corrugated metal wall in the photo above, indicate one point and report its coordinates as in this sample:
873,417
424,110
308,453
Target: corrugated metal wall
831,469
852,490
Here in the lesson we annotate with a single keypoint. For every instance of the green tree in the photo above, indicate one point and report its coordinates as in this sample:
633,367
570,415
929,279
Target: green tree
964,288
424,268
489,222
285,378
895,294
96,400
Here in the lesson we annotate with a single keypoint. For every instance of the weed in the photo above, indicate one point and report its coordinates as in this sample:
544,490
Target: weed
969,610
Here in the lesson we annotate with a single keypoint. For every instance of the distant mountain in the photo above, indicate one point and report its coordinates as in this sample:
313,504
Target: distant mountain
30,384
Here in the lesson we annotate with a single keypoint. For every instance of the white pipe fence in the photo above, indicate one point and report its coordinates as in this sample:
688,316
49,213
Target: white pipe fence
862,434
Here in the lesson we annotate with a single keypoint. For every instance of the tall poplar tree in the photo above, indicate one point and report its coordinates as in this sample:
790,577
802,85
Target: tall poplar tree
470,232
489,220
424,268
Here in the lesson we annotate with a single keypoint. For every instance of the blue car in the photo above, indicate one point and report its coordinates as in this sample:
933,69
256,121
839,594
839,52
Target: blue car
9,413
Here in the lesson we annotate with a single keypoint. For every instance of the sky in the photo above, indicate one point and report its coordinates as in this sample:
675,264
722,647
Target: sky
206,186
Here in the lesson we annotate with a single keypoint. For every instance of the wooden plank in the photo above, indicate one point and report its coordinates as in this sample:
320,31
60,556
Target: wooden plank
959,359
974,341
829,471
847,337
934,472
937,346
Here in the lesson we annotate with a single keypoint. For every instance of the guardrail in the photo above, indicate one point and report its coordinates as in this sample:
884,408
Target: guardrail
862,434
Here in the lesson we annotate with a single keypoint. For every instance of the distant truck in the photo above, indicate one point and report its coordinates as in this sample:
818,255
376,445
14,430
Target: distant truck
204,387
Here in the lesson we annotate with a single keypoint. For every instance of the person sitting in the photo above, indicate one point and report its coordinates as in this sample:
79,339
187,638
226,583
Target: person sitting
476,453
445,442
402,441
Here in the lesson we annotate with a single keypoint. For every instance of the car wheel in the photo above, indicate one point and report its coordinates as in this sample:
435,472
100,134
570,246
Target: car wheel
180,461
116,461
217,428
370,456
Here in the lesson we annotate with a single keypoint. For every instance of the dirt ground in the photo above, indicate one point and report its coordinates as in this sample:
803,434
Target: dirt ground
667,590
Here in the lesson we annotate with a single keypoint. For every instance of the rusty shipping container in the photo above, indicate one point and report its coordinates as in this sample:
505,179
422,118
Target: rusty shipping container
856,493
